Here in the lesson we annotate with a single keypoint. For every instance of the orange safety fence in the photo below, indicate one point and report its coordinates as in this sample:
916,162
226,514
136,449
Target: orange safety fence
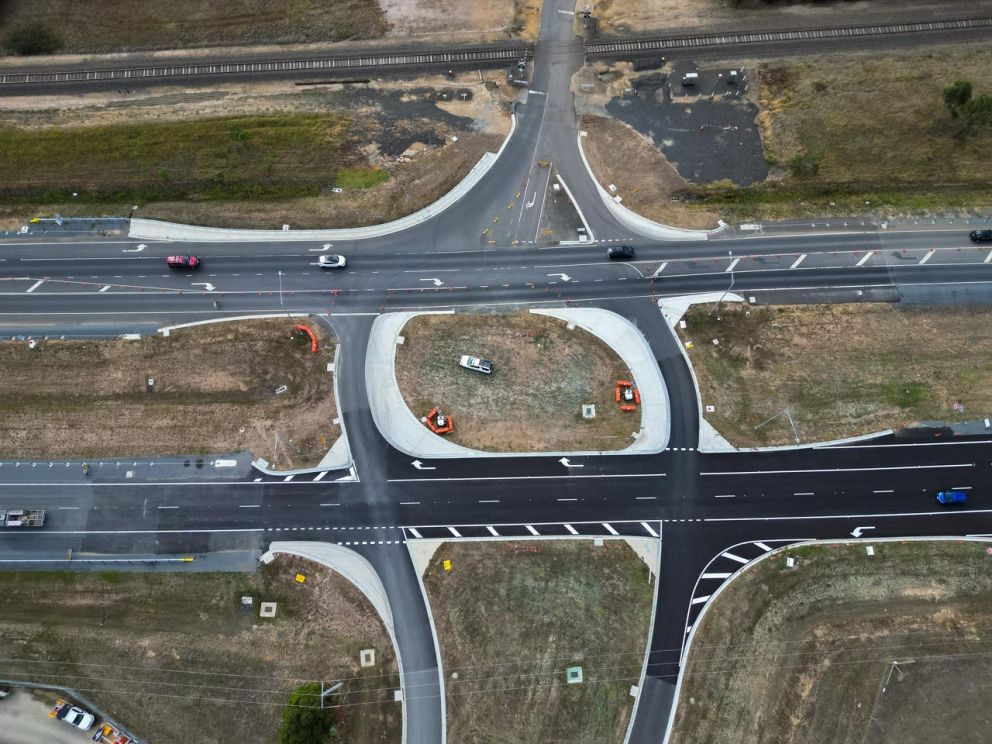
311,334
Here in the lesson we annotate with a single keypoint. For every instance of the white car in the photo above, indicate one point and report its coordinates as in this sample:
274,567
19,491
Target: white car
77,717
332,261
479,365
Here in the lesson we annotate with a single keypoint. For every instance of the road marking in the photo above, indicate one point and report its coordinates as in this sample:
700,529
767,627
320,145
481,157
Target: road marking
492,531
35,286
571,529
960,488
700,600
764,547
329,504
733,557
839,470
68,508
532,531
566,12
716,576
649,528
319,476
287,479
798,261
104,288
725,496
609,528
409,503
884,490
455,532
415,533
536,93
249,506
864,258
988,258
531,477
566,499
168,507
645,498
733,265
927,257
488,501
804,493
658,271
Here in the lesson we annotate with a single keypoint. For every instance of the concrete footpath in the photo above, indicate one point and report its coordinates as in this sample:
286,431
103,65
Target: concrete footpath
404,431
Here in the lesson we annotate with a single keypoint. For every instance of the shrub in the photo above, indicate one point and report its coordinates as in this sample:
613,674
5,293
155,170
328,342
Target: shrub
304,721
35,38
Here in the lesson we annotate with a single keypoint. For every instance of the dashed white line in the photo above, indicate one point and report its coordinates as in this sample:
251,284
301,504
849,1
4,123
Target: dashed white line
168,507
645,498
249,506
330,504
409,503
566,499
488,501
725,496
884,490
804,493
838,470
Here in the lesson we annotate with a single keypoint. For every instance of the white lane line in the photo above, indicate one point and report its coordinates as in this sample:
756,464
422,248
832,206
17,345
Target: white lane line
566,499
700,600
660,269
415,533
764,547
960,488
798,261
733,557
35,286
804,493
649,528
492,531
725,496
329,504
864,258
536,93
927,257
988,258
409,503
733,265
609,528
645,498
68,508
715,576
840,470
319,476
488,501
104,288
168,507
884,490
249,506
571,529
454,532
532,531
530,477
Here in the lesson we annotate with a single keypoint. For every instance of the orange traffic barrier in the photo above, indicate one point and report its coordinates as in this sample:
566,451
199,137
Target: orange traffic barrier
625,383
311,334
618,393
628,409
637,395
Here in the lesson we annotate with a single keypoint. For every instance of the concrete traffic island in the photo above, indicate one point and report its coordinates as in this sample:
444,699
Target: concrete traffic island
405,431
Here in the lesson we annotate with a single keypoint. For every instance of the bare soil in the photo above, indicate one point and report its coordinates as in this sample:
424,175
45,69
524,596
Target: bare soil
841,370
214,393
641,175
532,402
175,658
512,617
805,655
441,17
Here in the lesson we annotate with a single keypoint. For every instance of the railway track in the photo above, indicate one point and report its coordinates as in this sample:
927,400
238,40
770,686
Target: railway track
479,56
647,45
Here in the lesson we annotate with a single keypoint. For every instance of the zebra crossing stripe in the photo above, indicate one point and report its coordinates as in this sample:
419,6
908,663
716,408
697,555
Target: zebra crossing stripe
571,529
415,533
610,529
764,547
532,531
648,527
733,557
492,532
455,532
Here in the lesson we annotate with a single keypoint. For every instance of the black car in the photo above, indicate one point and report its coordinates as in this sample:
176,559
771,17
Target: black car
620,252
981,236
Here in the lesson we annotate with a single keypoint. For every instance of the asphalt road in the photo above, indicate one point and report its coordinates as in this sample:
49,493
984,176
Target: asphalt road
713,512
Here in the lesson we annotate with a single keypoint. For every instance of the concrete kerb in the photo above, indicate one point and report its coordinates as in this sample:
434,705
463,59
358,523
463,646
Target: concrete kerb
160,230
647,647
404,431
361,574
642,225
776,552
338,457
578,209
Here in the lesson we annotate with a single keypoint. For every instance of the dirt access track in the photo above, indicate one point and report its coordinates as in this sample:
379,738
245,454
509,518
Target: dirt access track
532,402
177,658
513,616
806,654
840,370
215,391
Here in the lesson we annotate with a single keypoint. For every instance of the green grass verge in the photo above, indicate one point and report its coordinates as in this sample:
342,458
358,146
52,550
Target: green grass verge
243,158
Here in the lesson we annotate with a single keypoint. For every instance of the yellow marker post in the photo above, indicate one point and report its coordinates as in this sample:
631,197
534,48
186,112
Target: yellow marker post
299,578
446,564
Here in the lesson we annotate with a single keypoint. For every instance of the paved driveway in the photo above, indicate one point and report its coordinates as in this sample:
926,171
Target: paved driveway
24,720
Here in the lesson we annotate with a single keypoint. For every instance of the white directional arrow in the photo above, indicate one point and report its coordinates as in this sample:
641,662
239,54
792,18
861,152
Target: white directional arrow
207,286
321,250
437,282
530,204
564,277
564,461
856,532
138,249
420,466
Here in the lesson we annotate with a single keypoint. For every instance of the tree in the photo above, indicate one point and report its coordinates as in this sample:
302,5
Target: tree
304,721
978,111
34,38
956,96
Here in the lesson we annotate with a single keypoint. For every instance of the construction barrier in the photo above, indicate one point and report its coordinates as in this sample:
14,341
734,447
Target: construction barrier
449,423
311,334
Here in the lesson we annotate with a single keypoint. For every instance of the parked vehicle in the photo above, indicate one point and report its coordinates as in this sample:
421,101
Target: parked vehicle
4,692
72,715
479,365
22,517
952,497
620,252
981,236
332,262
182,262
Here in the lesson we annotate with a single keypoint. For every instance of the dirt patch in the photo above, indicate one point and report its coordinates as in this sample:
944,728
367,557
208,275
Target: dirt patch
622,157
175,658
109,26
214,392
532,402
433,17
840,370
512,617
804,654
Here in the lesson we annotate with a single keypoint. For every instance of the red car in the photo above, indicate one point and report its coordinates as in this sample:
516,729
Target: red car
182,262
